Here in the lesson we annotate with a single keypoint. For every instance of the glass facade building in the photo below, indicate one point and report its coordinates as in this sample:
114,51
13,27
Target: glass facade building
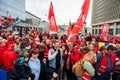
32,19
13,8
107,11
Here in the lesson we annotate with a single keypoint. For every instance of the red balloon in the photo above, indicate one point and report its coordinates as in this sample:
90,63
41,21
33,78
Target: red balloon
9,19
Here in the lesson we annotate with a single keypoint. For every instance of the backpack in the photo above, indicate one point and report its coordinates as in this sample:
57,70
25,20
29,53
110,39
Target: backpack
77,68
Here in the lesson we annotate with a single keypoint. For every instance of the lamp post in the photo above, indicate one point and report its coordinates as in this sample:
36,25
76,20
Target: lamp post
7,12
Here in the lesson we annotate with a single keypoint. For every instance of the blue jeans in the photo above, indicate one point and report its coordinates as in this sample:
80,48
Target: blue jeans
79,78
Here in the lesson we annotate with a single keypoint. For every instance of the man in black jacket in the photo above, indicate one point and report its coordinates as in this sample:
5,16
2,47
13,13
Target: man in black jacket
46,72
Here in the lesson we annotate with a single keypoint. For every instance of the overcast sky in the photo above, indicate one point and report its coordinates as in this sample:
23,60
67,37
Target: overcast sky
64,10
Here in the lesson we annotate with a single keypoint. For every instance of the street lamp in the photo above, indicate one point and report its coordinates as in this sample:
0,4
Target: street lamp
7,12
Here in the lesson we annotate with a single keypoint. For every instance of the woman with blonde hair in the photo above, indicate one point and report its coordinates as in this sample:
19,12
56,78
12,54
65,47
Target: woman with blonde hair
88,62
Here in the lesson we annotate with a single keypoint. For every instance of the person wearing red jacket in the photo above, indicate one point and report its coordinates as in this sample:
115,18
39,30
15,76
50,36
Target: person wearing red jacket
74,55
116,74
2,50
10,41
9,56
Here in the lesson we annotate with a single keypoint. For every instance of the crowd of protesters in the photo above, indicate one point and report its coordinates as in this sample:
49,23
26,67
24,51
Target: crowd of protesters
40,56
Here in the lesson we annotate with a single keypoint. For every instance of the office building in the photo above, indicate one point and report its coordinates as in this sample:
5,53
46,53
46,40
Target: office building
32,19
107,11
13,8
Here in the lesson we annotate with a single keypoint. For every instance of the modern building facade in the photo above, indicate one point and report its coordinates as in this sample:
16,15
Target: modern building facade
16,10
107,11
13,8
32,19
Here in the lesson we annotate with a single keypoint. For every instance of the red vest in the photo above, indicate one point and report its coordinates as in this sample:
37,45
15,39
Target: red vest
86,76
103,62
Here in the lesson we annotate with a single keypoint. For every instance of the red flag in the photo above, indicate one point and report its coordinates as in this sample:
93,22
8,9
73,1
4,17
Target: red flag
79,24
69,28
51,17
104,29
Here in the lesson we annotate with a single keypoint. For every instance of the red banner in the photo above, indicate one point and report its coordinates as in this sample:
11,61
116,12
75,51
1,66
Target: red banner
51,17
80,22
104,29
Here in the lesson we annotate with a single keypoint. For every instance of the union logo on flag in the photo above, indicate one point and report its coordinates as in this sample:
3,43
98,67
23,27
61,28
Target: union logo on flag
105,29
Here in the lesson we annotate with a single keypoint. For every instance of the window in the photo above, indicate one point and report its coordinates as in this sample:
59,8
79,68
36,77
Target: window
99,31
117,30
96,31
93,31
118,23
111,31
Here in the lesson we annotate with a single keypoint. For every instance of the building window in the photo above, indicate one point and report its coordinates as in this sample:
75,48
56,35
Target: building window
119,15
117,30
93,31
118,23
85,30
111,24
111,31
96,31
99,31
